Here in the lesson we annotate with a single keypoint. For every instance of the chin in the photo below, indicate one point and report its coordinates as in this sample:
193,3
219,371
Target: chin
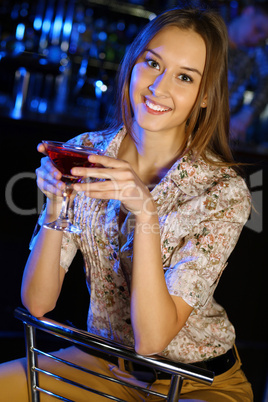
150,125
152,128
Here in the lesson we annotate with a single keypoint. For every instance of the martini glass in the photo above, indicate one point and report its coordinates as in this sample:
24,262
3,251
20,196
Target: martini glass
64,157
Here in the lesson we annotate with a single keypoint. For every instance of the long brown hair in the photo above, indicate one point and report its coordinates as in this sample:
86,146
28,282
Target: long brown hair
207,129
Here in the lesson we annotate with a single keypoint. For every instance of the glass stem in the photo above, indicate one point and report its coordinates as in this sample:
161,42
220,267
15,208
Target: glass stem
66,202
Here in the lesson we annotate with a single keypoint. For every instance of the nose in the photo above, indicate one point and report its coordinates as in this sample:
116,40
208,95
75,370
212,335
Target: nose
160,86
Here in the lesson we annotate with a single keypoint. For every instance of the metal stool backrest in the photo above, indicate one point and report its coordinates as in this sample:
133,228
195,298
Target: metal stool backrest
178,371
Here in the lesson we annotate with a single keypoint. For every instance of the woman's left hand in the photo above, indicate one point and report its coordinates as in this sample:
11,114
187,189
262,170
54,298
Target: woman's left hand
121,183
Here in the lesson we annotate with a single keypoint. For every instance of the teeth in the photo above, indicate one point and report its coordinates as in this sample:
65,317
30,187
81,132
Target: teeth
158,108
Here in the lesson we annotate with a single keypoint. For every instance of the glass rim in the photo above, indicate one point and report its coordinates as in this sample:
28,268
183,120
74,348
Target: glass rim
74,147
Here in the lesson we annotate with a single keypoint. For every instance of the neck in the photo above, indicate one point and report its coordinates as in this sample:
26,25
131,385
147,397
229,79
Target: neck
157,146
151,154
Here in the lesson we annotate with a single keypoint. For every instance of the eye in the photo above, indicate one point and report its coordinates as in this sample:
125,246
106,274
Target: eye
152,63
185,78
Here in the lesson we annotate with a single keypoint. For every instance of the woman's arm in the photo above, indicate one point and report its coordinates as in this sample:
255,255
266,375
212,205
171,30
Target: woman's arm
43,276
196,267
156,316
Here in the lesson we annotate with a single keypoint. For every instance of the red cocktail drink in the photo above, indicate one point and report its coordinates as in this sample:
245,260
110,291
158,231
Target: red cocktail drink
66,156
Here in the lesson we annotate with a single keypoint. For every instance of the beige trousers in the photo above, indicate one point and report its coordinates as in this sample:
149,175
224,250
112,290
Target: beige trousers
231,386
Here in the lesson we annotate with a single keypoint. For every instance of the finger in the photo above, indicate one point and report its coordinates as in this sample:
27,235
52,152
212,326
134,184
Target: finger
50,169
103,171
111,189
106,185
107,161
48,188
101,186
41,148
51,176
52,186
98,173
114,174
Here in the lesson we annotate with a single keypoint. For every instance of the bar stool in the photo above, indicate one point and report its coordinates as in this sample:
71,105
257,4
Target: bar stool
178,371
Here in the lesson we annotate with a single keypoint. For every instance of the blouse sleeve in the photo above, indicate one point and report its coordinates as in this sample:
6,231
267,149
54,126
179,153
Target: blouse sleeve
197,263
68,250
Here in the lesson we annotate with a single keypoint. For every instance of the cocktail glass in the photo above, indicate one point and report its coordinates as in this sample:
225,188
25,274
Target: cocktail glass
64,157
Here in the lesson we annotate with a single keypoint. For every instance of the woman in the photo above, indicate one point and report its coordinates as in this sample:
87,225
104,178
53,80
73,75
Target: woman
160,224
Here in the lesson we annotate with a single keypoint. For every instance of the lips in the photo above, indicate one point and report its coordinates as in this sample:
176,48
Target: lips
155,108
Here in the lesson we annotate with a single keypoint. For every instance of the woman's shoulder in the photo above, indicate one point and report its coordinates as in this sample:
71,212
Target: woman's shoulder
228,186
200,174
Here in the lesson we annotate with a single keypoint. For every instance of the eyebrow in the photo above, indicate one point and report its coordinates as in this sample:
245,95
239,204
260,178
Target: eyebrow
192,69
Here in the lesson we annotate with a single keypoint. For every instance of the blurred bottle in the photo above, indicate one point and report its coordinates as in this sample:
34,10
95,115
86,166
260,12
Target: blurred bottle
20,92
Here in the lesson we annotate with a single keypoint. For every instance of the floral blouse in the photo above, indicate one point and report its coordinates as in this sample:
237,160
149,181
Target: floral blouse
202,210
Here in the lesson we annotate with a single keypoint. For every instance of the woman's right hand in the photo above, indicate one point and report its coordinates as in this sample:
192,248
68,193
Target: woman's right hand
49,178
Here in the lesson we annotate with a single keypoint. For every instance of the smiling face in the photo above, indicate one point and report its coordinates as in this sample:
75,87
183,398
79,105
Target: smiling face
165,80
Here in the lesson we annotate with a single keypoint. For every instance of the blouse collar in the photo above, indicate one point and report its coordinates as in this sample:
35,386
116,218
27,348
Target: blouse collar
193,177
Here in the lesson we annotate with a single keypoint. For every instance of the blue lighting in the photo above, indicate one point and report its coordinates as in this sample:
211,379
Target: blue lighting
42,108
57,26
82,28
46,26
20,31
67,28
43,62
24,12
83,67
16,113
98,92
37,23
100,87
121,26
14,14
102,36
234,4
34,104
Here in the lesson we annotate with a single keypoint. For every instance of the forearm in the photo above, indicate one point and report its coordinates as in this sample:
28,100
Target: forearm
153,312
43,276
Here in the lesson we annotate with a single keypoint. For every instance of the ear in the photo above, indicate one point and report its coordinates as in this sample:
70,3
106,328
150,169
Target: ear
204,102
